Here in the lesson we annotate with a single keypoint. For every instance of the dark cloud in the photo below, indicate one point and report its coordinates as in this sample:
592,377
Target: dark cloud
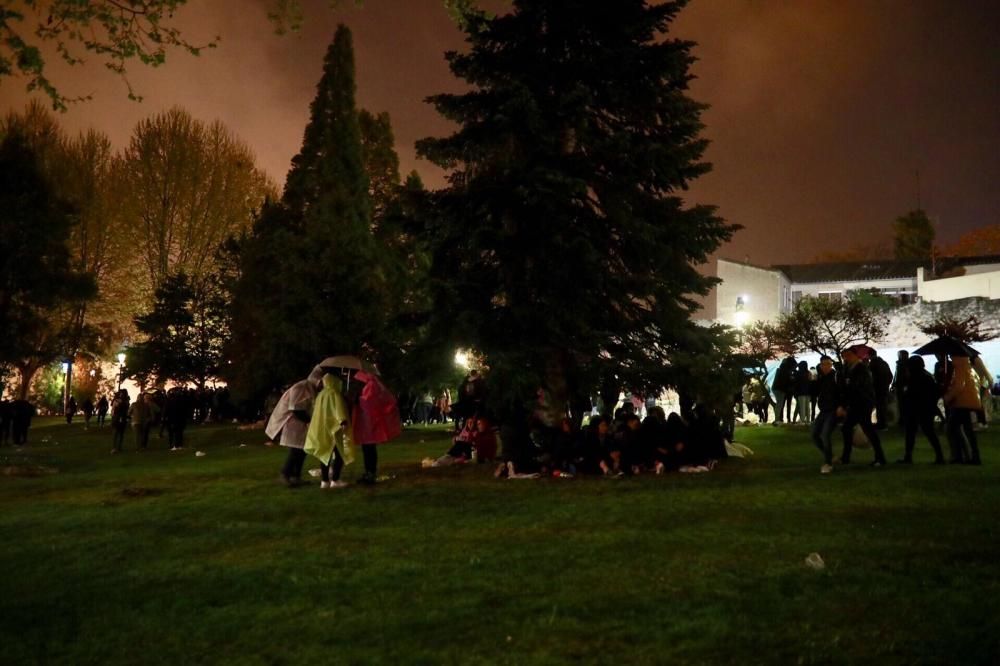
821,112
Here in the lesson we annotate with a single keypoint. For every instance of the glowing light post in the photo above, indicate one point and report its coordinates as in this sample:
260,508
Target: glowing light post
67,367
121,369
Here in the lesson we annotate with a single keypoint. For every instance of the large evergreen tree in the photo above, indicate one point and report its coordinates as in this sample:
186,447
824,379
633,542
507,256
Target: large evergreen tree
312,282
562,247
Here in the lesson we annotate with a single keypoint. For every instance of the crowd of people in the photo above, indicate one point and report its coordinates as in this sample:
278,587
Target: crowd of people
849,392
325,414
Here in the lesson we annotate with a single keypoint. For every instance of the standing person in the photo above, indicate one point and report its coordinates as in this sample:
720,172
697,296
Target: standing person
918,404
21,413
900,380
882,377
783,388
141,415
328,436
425,404
961,399
827,400
119,420
176,415
374,417
290,421
102,410
985,382
6,419
857,403
70,409
88,410
802,382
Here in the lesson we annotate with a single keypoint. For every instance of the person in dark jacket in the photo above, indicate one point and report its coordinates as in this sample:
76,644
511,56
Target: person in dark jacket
918,405
856,404
70,409
827,400
22,412
102,410
783,388
899,381
88,411
882,376
6,419
801,382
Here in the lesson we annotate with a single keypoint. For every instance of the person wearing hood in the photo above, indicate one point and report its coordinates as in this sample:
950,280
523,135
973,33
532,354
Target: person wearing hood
961,397
290,420
328,437
374,416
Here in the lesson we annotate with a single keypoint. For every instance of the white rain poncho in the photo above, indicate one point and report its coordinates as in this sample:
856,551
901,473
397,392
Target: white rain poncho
298,398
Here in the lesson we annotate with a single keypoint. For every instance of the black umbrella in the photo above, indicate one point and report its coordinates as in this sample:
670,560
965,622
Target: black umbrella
947,345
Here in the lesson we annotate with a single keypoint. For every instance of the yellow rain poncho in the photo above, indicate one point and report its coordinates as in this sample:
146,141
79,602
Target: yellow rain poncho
330,423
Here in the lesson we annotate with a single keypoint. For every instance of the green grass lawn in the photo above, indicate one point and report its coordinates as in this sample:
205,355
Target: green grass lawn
171,558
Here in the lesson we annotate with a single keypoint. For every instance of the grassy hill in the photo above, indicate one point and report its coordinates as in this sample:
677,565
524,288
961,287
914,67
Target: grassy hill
169,558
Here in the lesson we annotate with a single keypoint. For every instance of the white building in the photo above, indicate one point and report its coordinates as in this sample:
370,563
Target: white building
750,293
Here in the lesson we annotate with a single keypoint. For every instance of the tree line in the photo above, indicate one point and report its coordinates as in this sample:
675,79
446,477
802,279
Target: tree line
562,251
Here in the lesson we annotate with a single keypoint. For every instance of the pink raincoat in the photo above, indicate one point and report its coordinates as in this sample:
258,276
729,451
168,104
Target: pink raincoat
376,416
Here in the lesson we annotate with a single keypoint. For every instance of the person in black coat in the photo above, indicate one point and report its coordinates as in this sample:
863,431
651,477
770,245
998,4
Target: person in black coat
882,376
856,404
102,410
22,412
899,381
827,400
6,419
919,405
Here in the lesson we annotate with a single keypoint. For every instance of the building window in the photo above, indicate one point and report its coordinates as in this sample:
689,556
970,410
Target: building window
832,295
796,297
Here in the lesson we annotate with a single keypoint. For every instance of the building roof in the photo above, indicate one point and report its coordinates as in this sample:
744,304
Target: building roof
861,271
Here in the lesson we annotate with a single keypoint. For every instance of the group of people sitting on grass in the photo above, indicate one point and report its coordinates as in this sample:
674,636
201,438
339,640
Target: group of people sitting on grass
622,446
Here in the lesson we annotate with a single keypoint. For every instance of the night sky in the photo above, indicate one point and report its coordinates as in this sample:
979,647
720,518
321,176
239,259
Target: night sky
822,112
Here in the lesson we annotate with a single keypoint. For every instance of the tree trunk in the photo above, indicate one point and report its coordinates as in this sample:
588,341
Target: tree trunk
26,371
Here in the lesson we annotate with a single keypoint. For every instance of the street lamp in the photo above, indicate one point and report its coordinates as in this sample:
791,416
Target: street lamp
121,369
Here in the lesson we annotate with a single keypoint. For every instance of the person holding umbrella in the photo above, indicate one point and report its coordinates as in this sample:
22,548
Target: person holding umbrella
374,412
857,403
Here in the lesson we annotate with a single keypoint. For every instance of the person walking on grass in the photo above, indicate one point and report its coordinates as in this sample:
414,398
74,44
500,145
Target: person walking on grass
141,416
827,400
102,411
119,420
374,418
88,411
961,398
857,403
70,410
882,380
917,406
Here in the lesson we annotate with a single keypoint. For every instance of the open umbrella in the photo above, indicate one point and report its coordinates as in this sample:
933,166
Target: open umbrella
348,362
947,345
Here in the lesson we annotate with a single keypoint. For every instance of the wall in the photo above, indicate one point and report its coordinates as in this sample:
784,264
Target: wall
762,290
977,285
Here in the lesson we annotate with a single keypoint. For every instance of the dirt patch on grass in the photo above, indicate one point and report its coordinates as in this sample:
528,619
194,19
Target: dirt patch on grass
139,493
28,471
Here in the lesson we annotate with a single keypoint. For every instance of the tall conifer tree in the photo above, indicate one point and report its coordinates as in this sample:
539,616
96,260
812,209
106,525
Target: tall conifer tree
562,247
312,285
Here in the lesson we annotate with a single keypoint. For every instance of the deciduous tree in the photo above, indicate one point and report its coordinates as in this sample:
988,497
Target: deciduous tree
828,326
913,235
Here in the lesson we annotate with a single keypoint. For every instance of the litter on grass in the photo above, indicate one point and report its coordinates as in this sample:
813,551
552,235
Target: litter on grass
815,562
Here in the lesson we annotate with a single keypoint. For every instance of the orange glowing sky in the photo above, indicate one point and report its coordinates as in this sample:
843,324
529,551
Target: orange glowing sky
822,111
